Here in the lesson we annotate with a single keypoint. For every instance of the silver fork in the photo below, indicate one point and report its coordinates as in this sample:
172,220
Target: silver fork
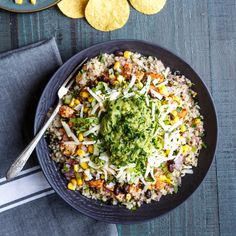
21,160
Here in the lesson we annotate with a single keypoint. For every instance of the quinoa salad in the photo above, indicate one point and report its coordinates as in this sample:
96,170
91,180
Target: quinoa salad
128,130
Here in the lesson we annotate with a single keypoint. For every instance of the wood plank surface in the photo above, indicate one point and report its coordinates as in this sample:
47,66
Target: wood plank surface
5,32
222,16
203,32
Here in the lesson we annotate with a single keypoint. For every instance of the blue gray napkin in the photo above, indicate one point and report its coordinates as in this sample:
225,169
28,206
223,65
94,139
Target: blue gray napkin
33,208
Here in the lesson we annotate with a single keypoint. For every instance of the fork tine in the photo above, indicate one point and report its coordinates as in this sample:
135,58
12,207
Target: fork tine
73,73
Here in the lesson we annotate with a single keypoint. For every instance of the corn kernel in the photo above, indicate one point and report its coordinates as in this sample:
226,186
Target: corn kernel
150,187
182,128
71,186
128,196
168,181
167,152
176,119
163,178
120,78
80,152
81,137
90,99
73,181
115,82
185,149
18,1
72,102
174,113
177,99
163,90
116,65
90,148
33,2
77,101
84,165
127,54
86,109
76,167
85,94
197,121
79,182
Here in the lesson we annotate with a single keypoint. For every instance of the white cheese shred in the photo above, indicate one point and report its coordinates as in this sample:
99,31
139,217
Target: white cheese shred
146,87
69,132
98,98
82,111
156,94
92,130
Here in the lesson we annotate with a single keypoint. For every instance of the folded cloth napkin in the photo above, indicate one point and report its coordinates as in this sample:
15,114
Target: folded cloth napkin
28,205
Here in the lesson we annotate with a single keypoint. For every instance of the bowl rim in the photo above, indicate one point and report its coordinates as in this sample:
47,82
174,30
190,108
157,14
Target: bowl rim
214,114
30,11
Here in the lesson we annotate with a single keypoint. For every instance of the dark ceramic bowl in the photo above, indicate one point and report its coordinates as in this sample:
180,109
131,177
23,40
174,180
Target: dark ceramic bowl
26,6
117,214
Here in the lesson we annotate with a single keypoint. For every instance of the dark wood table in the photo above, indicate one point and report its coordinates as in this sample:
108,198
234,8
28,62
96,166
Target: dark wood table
203,32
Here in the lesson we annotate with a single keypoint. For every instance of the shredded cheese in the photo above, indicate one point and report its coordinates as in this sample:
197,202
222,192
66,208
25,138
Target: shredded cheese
156,94
97,97
82,111
146,87
69,132
92,130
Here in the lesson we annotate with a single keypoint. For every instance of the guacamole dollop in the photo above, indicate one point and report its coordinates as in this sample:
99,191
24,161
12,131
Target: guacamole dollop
127,130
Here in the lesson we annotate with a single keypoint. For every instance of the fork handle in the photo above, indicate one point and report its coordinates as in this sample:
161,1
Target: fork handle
21,160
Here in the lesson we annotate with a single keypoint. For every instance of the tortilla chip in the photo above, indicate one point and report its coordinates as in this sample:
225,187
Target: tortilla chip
148,6
73,8
107,15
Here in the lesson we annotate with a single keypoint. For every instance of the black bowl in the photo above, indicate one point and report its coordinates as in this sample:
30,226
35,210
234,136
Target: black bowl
117,214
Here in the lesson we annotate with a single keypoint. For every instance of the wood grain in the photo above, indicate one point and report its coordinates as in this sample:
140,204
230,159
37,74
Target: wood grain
5,32
204,34
222,33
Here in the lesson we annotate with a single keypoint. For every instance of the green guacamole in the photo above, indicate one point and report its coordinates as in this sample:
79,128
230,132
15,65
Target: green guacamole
127,130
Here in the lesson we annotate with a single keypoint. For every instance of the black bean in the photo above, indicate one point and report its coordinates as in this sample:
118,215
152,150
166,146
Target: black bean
91,83
117,190
148,194
104,78
126,188
119,53
93,189
171,166
172,117
141,185
101,78
94,176
60,165
171,162
109,201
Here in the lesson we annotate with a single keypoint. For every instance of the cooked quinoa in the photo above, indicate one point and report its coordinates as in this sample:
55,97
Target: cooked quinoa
129,129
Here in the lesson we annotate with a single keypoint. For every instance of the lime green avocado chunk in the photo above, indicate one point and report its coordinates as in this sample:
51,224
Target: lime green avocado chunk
127,130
